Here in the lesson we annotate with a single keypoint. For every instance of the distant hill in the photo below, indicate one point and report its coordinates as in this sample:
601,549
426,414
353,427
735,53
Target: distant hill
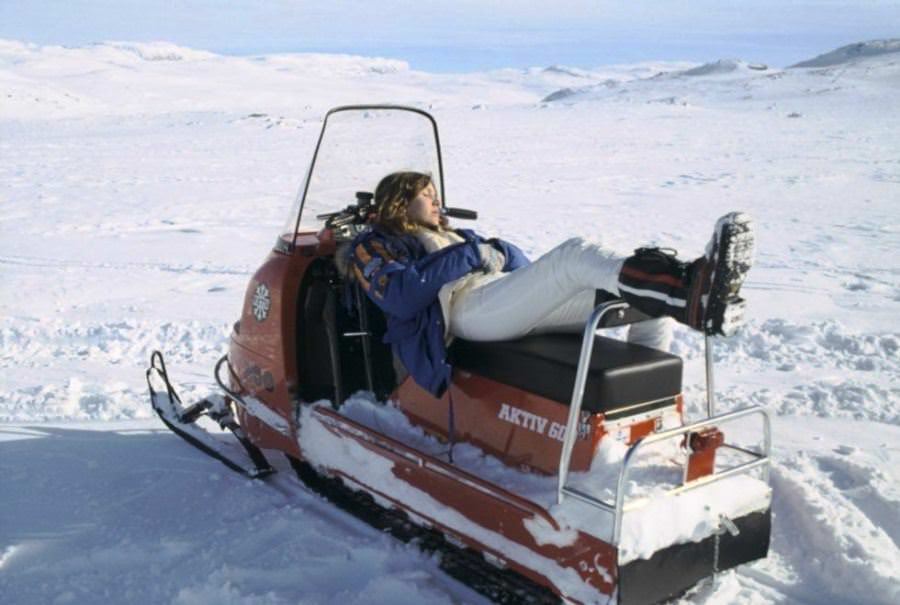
853,52
722,66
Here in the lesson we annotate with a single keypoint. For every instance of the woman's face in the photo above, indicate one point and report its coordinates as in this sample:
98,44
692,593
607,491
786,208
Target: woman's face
425,208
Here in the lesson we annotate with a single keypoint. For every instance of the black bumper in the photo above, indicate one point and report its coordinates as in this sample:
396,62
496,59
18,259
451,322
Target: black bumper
673,570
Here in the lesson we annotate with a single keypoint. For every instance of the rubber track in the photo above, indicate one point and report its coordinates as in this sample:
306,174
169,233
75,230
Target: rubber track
463,564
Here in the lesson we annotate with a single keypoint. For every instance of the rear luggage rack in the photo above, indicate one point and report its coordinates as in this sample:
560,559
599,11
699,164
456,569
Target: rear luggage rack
761,459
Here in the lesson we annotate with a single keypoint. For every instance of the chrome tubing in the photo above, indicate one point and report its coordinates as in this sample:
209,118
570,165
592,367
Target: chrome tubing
710,384
584,361
617,510
762,460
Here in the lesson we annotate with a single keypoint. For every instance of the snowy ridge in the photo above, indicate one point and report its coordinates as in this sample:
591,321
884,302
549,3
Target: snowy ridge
720,67
158,51
736,81
50,81
343,65
853,53
749,82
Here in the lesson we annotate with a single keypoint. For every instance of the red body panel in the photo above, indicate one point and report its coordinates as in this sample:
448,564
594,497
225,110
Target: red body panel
703,446
263,353
482,503
520,428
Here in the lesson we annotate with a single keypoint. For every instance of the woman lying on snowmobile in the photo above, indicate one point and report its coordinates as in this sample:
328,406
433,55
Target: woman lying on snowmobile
434,282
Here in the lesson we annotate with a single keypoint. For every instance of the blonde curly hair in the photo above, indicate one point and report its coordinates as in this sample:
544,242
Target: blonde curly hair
393,196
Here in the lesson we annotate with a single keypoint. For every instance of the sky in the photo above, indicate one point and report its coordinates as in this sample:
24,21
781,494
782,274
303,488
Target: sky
469,35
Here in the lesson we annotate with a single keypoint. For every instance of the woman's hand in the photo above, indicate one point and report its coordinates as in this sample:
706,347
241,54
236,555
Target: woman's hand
492,260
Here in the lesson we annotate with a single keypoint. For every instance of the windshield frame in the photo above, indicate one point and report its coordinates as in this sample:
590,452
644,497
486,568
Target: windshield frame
346,108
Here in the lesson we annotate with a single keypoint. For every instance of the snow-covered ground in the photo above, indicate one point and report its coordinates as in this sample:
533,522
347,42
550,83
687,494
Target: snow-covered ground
141,184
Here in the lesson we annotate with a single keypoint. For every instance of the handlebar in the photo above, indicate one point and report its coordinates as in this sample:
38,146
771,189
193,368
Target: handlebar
360,212
469,215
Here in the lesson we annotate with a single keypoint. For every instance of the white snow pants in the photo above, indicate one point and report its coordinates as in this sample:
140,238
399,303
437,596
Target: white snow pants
555,293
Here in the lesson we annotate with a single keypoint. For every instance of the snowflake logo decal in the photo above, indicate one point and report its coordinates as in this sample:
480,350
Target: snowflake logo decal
261,302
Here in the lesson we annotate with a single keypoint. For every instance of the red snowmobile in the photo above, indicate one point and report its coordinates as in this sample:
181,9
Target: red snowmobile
566,471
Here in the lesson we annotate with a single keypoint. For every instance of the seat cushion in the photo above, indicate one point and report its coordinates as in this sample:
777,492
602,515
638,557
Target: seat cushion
621,374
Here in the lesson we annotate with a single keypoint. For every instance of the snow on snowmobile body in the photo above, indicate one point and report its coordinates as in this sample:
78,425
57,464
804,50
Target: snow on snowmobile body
308,339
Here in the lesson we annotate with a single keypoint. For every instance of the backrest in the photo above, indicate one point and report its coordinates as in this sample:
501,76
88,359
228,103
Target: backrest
340,339
318,354
366,317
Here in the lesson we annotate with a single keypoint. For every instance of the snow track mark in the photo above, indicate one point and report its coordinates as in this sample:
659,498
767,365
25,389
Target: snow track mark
34,343
821,529
37,350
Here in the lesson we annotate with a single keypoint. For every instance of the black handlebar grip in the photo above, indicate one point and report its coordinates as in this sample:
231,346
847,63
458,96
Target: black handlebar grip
462,213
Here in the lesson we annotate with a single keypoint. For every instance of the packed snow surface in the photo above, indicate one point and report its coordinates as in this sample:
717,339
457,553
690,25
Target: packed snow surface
142,184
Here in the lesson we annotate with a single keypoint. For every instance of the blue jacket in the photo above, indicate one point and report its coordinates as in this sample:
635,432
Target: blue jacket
403,279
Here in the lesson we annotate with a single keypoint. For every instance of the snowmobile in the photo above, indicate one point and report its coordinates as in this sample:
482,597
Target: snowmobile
556,467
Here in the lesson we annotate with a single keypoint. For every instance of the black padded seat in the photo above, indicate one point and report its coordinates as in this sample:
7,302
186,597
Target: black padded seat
621,374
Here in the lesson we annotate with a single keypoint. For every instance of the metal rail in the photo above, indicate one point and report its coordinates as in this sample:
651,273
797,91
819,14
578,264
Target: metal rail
710,383
762,460
584,363
617,509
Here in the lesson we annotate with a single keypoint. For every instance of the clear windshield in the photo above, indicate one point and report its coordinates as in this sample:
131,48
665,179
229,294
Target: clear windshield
359,146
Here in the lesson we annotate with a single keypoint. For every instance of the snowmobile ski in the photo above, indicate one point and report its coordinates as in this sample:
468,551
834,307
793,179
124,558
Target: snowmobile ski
182,421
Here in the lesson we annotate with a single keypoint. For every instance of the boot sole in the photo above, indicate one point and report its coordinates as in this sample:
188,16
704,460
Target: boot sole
733,248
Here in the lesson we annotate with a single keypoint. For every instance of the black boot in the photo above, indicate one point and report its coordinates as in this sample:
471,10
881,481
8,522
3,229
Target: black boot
702,294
